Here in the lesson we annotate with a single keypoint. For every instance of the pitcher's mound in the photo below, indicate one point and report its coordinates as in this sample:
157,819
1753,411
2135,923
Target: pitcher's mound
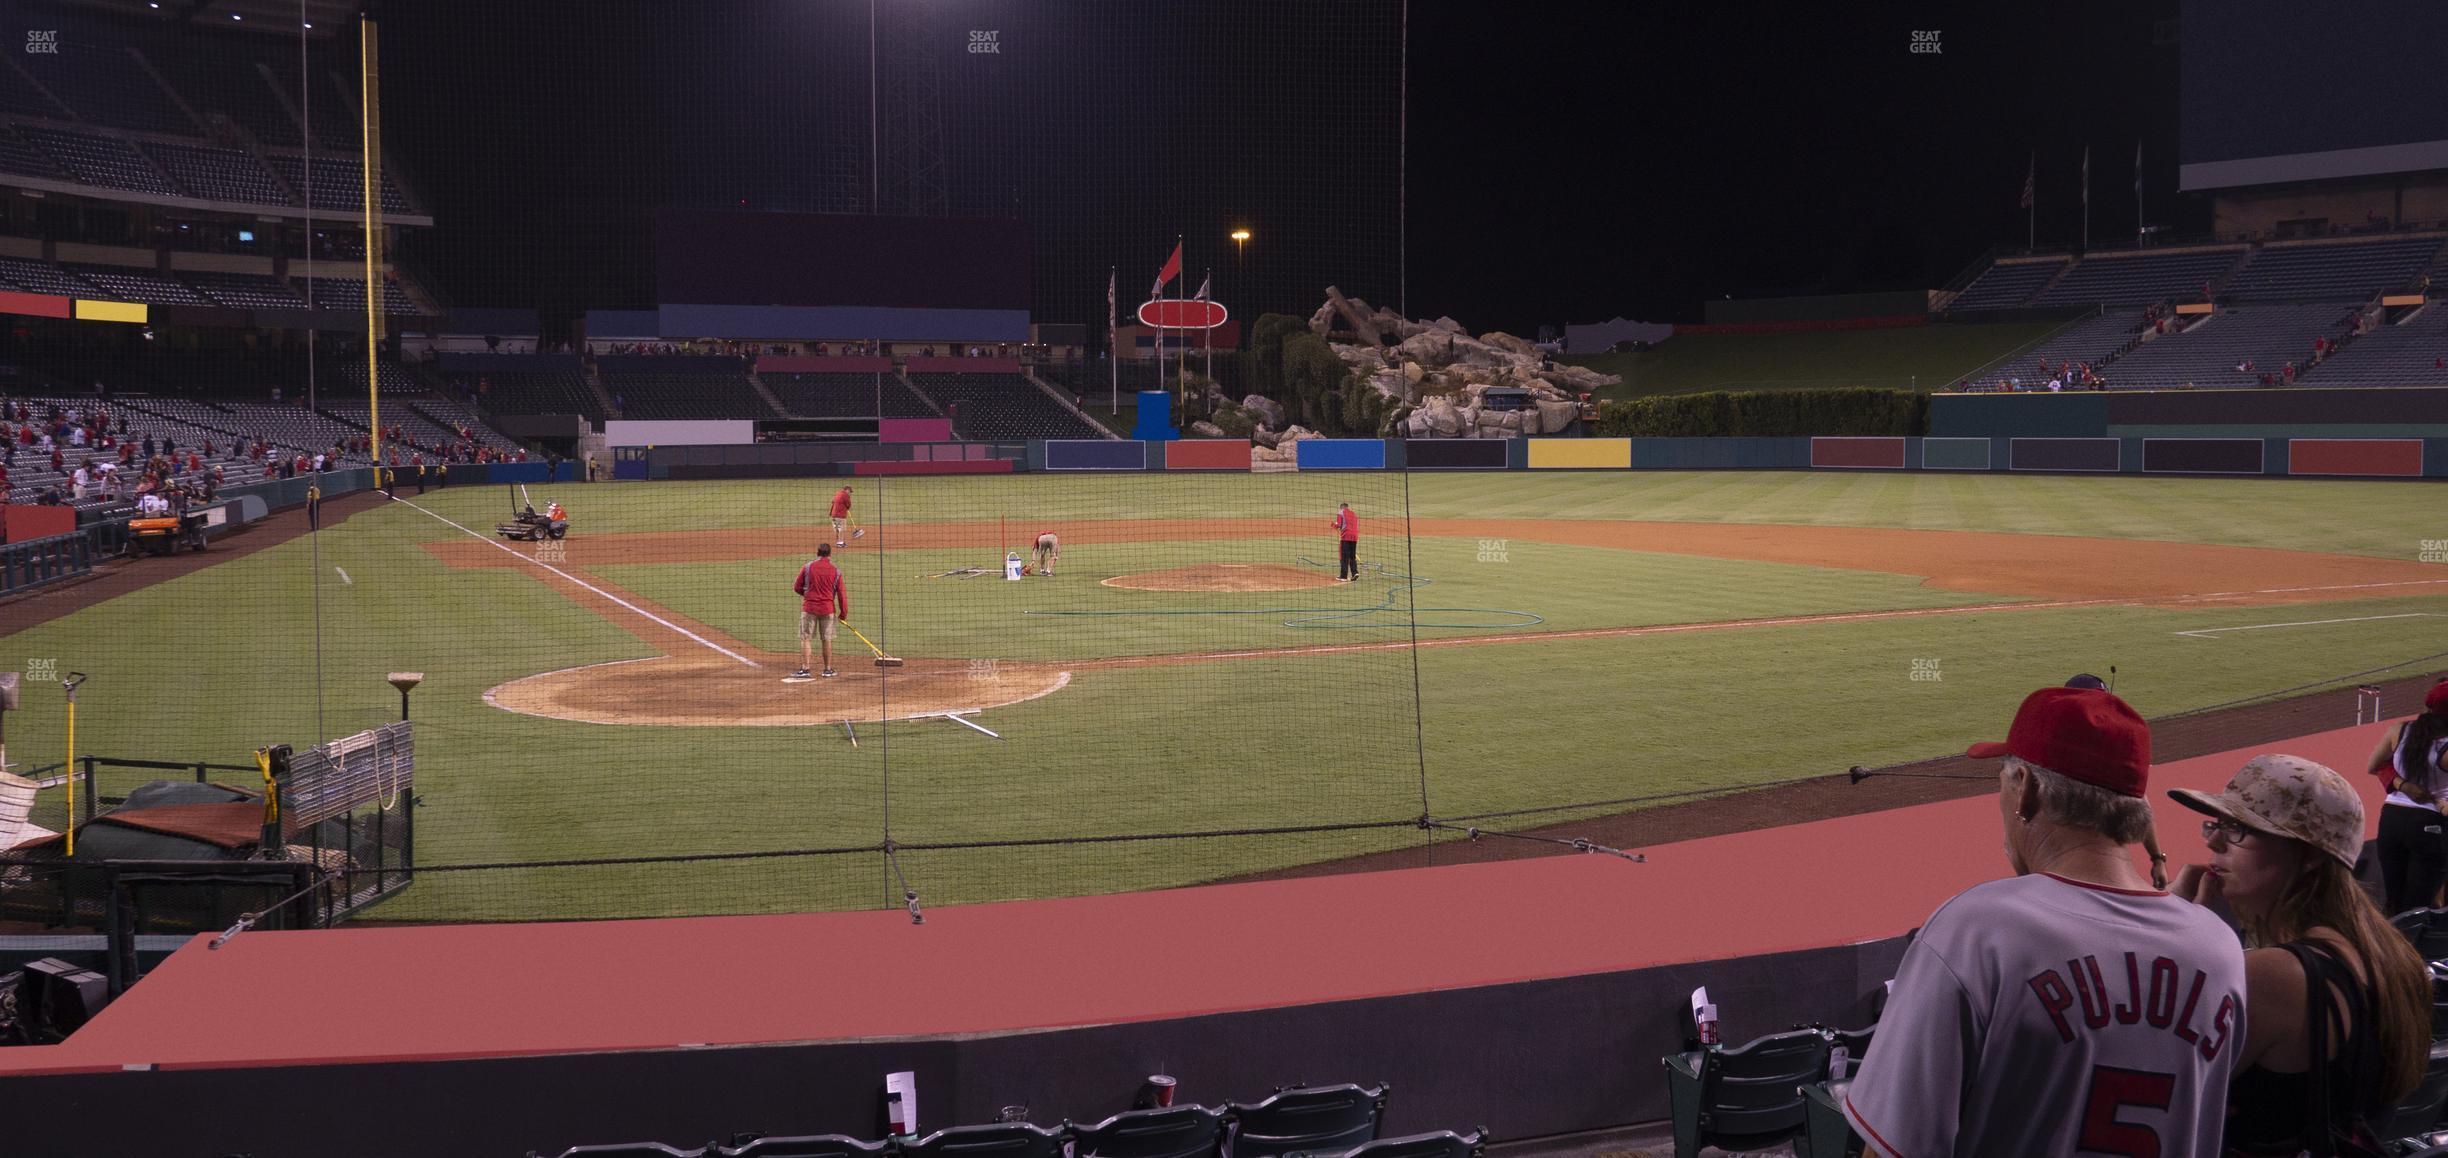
1225,577
692,691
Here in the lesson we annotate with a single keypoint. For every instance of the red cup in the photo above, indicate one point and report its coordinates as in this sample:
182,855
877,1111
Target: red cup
1163,1088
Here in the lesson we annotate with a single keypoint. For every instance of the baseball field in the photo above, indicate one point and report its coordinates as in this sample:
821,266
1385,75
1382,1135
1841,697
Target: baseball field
1193,666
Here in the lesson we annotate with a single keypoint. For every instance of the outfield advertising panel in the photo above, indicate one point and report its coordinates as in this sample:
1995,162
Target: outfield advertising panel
1207,454
2379,457
1955,454
2086,454
1859,453
1580,453
2202,455
1455,453
1341,454
1095,454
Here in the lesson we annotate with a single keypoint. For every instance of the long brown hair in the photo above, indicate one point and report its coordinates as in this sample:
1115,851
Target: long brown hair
2326,896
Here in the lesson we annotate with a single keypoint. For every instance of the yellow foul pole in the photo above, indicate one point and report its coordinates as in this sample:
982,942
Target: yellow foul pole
369,143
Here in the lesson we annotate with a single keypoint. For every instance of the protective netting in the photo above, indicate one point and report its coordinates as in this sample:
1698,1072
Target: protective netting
611,723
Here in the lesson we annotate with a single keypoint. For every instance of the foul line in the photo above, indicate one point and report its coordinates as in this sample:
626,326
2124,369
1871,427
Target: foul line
2209,632
710,644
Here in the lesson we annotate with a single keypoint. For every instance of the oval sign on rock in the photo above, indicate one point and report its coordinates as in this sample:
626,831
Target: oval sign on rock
1181,314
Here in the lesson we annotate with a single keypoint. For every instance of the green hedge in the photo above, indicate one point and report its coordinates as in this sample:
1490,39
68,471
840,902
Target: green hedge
1767,414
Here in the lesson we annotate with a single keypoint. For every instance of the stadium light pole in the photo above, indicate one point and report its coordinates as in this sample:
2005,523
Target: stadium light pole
1240,239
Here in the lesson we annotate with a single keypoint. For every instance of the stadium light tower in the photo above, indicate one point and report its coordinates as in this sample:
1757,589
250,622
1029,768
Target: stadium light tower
1240,238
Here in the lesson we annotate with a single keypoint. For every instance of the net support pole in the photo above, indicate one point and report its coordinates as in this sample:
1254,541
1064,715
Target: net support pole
369,145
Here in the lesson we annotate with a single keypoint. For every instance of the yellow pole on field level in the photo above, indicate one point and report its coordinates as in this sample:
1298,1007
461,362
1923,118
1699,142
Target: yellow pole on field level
369,144
69,685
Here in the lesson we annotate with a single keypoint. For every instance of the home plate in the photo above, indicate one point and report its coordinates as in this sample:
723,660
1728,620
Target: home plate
798,679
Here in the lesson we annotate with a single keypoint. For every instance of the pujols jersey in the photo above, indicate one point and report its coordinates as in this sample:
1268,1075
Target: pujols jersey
2041,1016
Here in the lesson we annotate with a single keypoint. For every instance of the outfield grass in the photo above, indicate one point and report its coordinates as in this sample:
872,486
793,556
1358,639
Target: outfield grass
213,664
1930,357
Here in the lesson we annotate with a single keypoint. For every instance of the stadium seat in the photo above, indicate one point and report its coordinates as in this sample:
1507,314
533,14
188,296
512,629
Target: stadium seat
1002,1140
2421,1110
1745,1098
2427,929
1436,1144
1825,1131
627,1150
1854,1042
1336,1117
804,1146
1171,1132
2439,1000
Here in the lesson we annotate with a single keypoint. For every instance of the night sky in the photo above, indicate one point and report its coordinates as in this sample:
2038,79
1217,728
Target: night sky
1567,162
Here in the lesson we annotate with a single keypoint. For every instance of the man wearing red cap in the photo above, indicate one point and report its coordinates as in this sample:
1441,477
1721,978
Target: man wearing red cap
2070,1008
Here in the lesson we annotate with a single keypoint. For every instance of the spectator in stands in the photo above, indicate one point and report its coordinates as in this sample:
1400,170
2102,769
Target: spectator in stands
56,460
2288,374
5,485
2324,961
2412,764
81,483
1989,1044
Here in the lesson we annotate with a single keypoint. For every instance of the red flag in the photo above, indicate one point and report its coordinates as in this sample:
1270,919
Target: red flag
1171,270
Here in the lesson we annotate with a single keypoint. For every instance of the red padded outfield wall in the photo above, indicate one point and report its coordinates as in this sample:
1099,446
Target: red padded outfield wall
1208,454
1878,453
2389,457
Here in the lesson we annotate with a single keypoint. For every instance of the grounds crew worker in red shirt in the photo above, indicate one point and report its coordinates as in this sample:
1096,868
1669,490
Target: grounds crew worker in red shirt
822,604
1349,525
841,515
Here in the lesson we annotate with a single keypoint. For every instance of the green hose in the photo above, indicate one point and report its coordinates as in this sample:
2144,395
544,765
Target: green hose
1354,618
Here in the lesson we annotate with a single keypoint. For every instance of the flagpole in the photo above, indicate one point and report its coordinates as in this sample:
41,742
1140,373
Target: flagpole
1113,357
1185,342
2086,198
1183,369
2138,193
1207,336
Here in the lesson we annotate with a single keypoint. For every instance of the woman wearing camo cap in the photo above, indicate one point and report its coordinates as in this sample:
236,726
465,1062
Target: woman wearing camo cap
2337,1023
2411,761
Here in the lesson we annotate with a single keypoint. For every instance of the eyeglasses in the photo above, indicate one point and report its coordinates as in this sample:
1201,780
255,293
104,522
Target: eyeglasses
2218,832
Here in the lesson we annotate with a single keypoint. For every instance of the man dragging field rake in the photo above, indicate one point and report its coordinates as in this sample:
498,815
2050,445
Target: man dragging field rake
822,604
